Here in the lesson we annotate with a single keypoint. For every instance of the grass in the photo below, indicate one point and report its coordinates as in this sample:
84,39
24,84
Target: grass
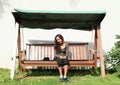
51,77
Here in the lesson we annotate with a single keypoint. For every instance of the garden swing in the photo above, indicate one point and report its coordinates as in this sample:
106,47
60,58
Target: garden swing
79,20
39,50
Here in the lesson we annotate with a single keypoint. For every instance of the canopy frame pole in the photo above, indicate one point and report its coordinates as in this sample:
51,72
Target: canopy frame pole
99,42
95,48
19,49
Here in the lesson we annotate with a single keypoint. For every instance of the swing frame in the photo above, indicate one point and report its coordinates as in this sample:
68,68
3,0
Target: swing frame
84,21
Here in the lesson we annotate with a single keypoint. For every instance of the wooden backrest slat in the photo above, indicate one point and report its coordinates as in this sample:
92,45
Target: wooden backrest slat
81,53
42,51
83,48
74,51
39,52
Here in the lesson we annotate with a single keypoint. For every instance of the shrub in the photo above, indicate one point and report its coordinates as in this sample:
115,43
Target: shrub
112,58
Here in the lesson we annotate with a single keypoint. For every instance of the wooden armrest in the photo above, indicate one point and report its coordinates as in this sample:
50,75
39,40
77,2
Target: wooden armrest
92,51
23,53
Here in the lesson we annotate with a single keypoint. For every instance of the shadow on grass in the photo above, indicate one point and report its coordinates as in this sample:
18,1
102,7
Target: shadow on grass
119,76
54,72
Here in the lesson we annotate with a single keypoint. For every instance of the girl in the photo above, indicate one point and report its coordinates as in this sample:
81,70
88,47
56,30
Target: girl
61,50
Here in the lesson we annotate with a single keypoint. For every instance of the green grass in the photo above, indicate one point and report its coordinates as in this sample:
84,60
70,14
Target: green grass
47,77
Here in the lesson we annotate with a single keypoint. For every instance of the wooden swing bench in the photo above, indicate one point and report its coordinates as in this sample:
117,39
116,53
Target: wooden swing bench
80,52
42,55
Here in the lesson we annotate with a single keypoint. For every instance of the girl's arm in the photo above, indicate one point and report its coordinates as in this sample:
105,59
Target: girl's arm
67,49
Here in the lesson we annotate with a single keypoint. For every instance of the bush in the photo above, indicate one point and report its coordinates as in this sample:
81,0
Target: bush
112,58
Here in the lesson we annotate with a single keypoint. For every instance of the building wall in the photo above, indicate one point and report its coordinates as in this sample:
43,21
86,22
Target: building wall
8,32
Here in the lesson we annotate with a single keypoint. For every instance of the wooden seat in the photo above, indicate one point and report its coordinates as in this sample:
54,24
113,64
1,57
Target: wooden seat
79,54
54,63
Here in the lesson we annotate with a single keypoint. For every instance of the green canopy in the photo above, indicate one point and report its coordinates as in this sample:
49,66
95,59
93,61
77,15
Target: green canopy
81,20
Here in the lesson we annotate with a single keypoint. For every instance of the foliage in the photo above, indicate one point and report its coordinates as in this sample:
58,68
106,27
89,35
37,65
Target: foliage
112,59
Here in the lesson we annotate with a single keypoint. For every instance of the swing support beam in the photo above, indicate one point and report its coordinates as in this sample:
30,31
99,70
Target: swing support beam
49,20
99,41
98,45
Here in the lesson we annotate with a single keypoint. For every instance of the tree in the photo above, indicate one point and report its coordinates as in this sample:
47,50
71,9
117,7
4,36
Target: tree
112,58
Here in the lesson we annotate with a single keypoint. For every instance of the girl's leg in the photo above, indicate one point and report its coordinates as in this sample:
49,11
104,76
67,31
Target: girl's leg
60,71
65,70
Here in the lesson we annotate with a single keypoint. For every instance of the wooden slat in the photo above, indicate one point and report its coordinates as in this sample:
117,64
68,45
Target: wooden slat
54,63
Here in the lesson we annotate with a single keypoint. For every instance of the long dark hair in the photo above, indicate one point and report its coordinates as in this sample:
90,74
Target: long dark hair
57,46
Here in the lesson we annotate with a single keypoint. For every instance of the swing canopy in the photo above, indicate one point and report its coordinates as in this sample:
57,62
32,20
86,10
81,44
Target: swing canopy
47,19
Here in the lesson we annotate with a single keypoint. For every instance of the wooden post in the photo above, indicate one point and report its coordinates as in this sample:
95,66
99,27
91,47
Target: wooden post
19,50
100,52
95,48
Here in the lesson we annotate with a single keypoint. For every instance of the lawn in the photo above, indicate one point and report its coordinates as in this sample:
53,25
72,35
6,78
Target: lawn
47,77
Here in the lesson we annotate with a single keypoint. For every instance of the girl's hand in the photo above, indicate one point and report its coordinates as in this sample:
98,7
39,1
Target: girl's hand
62,57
